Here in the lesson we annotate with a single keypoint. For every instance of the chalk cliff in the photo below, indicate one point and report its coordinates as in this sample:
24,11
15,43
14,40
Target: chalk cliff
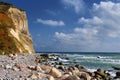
14,34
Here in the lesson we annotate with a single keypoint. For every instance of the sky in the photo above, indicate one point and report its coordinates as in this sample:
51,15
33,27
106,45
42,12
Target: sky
73,25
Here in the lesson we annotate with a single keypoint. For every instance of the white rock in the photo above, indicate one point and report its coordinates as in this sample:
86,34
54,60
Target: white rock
15,69
8,67
10,55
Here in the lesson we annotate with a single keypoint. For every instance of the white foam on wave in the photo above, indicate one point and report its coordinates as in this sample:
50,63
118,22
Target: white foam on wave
91,70
88,56
112,74
110,61
62,60
92,58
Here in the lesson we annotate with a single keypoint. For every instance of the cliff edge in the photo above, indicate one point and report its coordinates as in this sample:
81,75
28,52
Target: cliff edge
14,34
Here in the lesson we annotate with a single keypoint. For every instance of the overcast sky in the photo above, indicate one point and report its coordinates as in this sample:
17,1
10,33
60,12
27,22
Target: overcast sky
73,25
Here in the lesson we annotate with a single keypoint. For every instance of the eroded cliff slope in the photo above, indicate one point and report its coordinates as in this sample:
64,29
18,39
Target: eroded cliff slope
14,34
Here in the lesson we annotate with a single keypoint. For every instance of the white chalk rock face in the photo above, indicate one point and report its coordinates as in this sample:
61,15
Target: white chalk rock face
16,25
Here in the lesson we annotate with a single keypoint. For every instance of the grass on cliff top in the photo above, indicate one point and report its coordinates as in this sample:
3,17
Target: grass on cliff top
5,3
9,4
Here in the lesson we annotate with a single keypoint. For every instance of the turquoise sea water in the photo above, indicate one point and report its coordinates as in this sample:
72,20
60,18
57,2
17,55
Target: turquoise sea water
91,60
94,60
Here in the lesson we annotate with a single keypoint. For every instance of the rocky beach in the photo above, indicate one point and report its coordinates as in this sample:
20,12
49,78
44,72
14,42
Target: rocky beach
37,67
25,64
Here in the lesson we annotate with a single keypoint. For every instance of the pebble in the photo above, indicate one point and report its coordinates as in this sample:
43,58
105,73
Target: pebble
27,78
20,66
15,69
8,66
32,67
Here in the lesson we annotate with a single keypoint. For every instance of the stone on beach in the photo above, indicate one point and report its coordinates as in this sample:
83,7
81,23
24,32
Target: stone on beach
8,66
65,76
20,66
73,77
81,68
32,67
117,75
51,78
101,74
46,68
55,73
38,68
33,76
15,69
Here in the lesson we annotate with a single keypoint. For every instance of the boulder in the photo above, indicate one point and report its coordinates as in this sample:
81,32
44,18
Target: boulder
74,70
38,68
84,76
101,74
81,68
41,75
117,75
46,68
33,76
92,74
55,73
73,77
61,67
65,76
51,78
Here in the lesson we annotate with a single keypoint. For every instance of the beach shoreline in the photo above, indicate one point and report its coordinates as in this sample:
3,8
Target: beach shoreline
37,66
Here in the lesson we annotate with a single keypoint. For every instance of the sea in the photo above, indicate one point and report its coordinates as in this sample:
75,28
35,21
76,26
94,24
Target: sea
91,60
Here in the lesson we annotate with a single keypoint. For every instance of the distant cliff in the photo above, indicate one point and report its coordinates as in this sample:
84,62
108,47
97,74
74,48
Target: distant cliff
14,34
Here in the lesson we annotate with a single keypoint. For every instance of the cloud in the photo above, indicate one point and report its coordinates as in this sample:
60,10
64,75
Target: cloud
95,21
80,39
51,22
78,5
98,33
109,13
